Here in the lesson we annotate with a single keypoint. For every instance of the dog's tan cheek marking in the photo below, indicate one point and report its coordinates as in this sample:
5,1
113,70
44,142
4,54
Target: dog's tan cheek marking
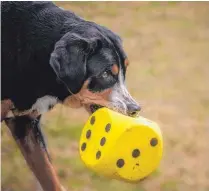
73,101
115,69
85,98
100,98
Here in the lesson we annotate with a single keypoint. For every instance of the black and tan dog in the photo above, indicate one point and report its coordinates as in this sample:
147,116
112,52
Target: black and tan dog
50,55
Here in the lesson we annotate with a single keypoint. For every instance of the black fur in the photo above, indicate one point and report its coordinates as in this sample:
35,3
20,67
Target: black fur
49,51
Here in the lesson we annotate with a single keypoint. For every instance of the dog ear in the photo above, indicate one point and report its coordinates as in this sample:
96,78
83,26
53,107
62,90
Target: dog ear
68,59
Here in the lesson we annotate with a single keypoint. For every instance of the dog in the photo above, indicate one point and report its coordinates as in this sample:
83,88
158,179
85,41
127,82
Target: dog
49,56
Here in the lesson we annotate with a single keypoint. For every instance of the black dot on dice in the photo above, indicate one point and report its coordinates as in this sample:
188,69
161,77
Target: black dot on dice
92,121
107,128
102,141
88,134
98,154
83,146
120,163
153,142
135,153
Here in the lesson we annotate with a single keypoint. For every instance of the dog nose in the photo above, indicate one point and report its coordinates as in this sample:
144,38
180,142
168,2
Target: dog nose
133,109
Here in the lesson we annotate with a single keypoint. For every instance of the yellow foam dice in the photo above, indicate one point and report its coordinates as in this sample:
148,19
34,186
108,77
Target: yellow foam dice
120,147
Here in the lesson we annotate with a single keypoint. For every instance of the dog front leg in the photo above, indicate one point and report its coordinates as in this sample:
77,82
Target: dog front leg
27,134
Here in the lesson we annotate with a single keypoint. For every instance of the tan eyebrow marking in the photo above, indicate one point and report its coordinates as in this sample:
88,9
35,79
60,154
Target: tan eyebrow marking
126,62
115,69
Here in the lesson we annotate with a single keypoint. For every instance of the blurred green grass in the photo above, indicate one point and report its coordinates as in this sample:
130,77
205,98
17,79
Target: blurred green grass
167,44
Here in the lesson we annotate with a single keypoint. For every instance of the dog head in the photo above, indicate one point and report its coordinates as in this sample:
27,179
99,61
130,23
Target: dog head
90,61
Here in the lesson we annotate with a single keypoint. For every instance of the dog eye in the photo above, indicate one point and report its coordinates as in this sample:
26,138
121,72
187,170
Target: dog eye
105,74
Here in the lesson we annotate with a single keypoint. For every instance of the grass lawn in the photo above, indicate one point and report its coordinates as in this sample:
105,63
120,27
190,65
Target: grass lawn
168,48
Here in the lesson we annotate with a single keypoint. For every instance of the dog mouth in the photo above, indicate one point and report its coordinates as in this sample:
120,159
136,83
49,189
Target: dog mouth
95,107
